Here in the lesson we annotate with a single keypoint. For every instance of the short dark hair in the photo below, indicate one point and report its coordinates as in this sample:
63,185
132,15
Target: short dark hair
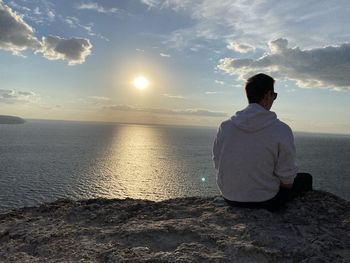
257,86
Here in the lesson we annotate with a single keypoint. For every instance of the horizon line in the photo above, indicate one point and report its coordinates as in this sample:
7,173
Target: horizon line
173,125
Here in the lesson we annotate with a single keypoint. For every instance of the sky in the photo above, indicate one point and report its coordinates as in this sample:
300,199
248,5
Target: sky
77,60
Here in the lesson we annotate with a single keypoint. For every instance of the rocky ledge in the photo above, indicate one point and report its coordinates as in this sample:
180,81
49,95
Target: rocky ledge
313,228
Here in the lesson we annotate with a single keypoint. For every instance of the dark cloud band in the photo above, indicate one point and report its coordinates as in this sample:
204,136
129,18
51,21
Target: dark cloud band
193,112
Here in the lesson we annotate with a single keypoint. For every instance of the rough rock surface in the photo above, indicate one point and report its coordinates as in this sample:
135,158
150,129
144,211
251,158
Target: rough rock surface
313,228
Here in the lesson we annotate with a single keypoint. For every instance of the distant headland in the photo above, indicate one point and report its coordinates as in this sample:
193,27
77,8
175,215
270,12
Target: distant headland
5,119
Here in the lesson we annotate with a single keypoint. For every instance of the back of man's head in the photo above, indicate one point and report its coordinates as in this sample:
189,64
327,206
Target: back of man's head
257,86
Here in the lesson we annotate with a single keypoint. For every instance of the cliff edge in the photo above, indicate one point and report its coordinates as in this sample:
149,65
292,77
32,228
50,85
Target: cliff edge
313,228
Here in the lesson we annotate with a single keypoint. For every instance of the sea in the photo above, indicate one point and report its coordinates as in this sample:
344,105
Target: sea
42,161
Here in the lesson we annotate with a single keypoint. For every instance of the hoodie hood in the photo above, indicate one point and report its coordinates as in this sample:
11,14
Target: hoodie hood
253,118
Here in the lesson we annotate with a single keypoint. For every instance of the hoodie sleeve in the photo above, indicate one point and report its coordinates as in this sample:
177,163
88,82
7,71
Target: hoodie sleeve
286,168
217,148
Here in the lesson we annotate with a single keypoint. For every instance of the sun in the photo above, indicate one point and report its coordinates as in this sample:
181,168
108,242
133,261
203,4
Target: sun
140,82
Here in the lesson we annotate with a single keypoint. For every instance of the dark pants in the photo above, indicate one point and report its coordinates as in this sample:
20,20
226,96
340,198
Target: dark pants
302,183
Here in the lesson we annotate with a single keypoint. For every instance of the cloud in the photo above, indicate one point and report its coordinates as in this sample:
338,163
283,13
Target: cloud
96,7
212,92
165,55
16,36
37,11
174,4
220,82
202,112
74,50
40,11
74,22
150,3
257,22
240,48
10,96
323,67
192,112
40,16
99,98
51,15
174,96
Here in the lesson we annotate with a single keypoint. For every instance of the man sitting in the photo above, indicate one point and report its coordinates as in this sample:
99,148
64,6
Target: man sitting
254,153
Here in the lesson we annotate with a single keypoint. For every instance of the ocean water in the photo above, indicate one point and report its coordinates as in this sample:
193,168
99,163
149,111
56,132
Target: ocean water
42,161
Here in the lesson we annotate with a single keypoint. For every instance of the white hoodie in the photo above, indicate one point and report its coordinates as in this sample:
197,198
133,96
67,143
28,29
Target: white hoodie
253,152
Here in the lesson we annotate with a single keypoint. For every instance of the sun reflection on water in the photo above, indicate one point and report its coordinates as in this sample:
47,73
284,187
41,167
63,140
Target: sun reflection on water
134,164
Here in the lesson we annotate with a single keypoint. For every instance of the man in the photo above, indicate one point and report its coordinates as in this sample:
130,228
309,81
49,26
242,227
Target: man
254,153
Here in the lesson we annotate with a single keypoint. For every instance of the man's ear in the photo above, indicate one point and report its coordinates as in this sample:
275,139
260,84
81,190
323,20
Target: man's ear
265,100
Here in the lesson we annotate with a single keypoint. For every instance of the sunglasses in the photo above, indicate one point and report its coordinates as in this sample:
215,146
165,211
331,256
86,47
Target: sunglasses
274,95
